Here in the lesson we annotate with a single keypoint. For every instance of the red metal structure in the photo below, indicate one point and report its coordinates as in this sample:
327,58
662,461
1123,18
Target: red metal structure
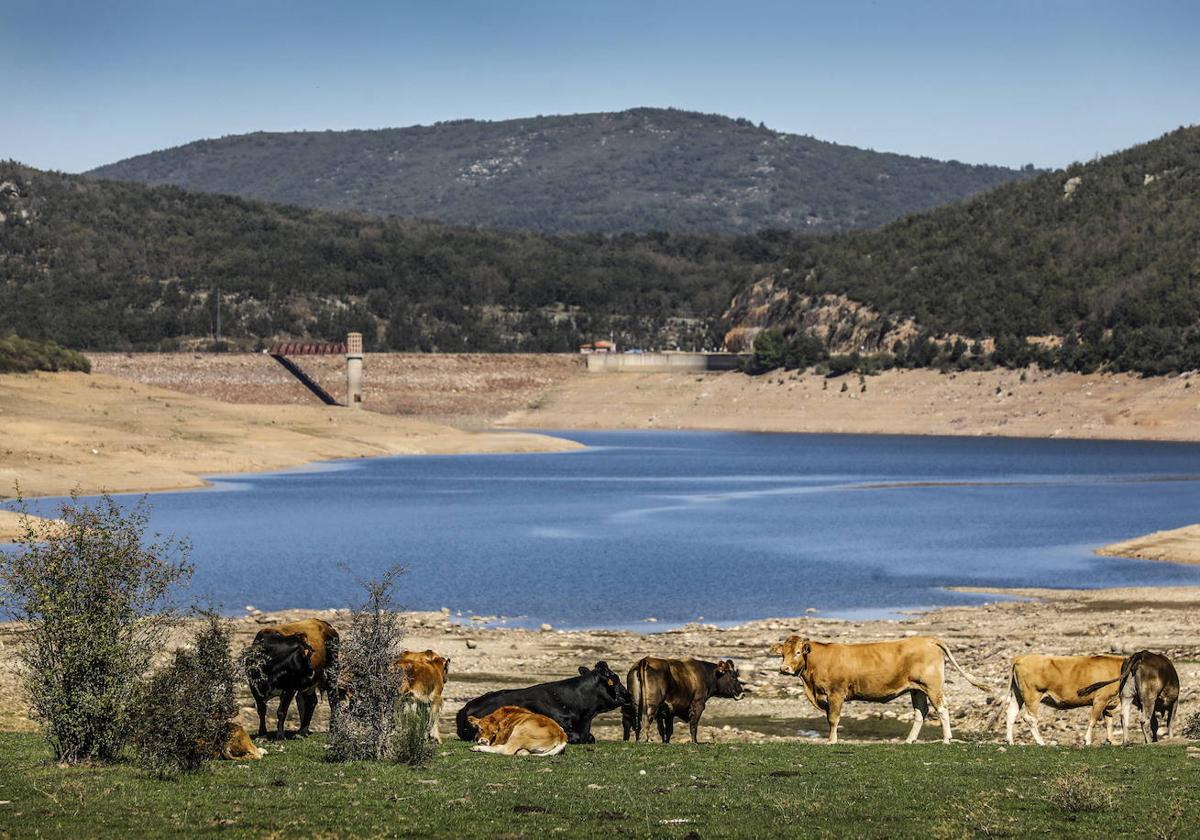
281,350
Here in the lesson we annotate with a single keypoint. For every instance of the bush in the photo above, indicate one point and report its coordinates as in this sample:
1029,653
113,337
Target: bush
1191,727
365,724
410,739
20,355
1075,791
93,593
183,710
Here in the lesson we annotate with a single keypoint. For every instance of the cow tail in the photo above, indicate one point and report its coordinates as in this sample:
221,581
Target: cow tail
642,709
978,683
1127,670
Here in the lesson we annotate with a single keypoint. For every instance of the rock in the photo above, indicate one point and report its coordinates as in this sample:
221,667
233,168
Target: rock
472,644
546,628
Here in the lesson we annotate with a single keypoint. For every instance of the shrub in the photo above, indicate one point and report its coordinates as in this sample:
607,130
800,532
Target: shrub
183,710
1075,791
1191,727
20,355
364,726
410,739
93,593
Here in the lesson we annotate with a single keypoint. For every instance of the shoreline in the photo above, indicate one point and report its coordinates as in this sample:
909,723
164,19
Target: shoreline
984,638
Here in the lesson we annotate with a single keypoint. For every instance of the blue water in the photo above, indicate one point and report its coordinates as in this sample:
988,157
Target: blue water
679,525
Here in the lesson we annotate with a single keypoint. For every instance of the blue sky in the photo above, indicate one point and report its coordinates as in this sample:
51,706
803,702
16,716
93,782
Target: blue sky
1014,82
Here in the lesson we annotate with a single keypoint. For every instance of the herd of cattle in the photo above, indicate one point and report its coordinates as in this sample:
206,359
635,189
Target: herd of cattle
297,660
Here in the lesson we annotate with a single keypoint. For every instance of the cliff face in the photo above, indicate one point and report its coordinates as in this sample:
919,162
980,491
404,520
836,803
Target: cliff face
845,325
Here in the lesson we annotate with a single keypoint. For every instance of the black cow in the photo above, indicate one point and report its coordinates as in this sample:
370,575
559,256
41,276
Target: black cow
291,661
571,703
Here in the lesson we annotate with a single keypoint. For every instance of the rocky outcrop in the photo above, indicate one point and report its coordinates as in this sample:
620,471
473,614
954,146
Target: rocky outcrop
845,325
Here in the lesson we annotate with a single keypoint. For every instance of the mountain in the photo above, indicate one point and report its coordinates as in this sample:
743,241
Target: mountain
640,170
1099,263
108,265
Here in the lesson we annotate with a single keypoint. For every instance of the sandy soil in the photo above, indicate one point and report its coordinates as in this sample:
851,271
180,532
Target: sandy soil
486,656
67,431
466,390
1179,545
1001,402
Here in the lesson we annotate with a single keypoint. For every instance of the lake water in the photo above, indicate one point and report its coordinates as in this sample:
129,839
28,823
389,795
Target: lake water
679,525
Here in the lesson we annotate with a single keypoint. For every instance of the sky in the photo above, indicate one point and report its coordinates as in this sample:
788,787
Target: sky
1046,82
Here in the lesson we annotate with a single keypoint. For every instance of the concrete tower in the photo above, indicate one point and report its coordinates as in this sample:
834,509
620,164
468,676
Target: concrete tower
354,359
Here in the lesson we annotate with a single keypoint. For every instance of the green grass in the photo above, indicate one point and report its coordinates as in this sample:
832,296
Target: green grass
744,790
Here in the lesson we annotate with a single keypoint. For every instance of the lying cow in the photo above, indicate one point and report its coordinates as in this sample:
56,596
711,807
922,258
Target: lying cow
292,660
1063,682
571,703
423,678
1150,683
665,689
878,671
238,746
511,730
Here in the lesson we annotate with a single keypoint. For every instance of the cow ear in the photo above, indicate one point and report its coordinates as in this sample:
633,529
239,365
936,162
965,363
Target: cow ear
583,671
806,650
777,649
722,666
729,665
601,665
474,721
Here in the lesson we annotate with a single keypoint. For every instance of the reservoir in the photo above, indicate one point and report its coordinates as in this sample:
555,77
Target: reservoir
686,526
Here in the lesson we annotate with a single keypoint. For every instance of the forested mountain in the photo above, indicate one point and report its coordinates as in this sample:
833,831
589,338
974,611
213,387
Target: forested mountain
108,265
1104,256
641,170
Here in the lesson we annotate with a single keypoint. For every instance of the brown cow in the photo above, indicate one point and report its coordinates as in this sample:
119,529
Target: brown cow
238,746
1063,682
833,673
424,678
289,660
511,730
1150,682
665,689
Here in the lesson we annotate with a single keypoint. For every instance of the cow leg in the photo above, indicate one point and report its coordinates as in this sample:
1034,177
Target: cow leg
1028,712
920,704
1170,712
1149,716
1126,717
694,713
666,725
260,704
306,704
627,717
1014,711
435,714
833,714
285,700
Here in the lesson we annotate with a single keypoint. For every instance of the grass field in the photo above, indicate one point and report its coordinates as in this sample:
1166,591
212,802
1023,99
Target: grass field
748,790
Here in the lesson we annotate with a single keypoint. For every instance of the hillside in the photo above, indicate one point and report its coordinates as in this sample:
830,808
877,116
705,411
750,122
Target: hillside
1102,257
107,265
638,170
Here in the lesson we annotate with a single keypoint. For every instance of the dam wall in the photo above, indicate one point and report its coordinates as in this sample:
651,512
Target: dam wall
662,362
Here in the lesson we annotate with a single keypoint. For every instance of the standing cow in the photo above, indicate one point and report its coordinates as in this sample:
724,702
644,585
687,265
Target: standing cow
877,671
1063,682
665,689
423,678
289,660
571,703
1150,683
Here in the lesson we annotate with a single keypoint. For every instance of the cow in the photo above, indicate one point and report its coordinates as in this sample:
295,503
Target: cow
511,730
571,703
1150,683
238,746
1063,682
665,689
292,660
423,678
833,673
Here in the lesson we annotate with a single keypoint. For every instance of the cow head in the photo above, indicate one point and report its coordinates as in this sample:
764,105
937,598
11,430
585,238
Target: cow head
728,683
609,682
486,728
794,651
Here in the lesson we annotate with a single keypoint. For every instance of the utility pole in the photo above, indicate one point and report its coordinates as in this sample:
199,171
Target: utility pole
218,313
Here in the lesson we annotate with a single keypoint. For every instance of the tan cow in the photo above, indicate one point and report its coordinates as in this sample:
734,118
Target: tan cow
1063,682
833,673
511,730
424,675
238,746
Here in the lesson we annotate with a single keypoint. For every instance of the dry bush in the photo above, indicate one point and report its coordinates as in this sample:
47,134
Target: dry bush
979,817
93,593
1167,824
1191,727
411,743
366,720
1076,791
184,708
